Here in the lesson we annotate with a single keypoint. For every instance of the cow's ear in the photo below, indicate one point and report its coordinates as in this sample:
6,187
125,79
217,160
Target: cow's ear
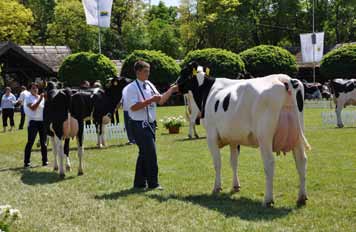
44,84
207,71
194,72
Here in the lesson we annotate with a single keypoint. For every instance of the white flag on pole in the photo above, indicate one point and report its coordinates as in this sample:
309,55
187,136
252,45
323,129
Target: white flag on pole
98,12
307,47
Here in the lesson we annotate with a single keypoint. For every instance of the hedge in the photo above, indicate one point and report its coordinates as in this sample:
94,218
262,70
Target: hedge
86,66
339,63
264,60
222,63
164,69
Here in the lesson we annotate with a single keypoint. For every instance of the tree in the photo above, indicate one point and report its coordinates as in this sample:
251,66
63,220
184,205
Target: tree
43,12
69,27
15,22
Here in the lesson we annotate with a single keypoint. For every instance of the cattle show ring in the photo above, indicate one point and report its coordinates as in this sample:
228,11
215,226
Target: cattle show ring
177,116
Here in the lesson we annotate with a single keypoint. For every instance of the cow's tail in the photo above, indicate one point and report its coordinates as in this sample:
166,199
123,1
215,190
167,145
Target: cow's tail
187,106
298,97
68,103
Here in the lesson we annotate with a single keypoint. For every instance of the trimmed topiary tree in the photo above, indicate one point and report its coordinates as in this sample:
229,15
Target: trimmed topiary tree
222,63
164,69
264,60
86,66
339,63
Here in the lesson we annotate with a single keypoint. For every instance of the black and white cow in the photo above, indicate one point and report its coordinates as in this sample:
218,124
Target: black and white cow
263,112
344,94
66,110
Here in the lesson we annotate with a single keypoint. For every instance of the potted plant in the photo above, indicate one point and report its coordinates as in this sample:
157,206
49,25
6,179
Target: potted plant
173,123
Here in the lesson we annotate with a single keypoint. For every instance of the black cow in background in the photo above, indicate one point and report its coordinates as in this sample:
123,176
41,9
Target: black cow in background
65,112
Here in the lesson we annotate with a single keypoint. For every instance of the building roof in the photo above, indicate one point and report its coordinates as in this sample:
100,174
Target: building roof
16,59
52,56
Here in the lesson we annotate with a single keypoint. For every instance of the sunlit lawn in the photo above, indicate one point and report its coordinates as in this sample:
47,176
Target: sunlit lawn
102,199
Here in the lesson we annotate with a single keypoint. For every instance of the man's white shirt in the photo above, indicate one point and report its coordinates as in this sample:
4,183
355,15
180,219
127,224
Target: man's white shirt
35,115
133,95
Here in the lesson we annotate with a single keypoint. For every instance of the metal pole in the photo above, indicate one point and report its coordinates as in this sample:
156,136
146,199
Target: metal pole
98,13
313,45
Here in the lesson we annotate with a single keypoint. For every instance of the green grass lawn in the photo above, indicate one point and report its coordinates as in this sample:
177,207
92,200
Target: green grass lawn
102,199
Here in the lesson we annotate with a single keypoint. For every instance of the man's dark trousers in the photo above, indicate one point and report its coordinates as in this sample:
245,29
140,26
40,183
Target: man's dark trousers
33,128
146,165
128,127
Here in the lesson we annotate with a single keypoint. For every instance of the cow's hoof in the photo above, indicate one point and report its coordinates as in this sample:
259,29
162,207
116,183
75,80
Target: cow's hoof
302,201
197,136
340,125
268,204
189,137
62,176
68,168
235,189
80,173
217,190
55,169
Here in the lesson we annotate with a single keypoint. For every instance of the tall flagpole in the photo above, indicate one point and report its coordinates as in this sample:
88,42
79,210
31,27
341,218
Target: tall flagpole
314,42
98,13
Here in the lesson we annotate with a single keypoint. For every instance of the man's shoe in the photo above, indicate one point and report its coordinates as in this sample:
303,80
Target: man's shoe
27,165
45,164
158,187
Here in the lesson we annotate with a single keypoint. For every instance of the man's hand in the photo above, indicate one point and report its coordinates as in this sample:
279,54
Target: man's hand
174,88
156,98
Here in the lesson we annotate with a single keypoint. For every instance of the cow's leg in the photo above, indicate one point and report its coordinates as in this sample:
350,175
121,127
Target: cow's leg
191,127
338,110
103,134
215,152
268,163
55,153
234,164
80,147
301,164
61,155
66,153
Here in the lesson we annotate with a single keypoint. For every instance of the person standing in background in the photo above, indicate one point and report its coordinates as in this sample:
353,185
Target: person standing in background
34,112
24,93
8,102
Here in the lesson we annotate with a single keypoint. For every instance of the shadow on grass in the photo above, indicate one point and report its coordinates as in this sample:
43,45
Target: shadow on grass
244,208
116,195
33,177
192,139
88,148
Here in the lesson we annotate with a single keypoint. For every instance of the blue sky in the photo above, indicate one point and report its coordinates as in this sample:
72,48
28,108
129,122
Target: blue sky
167,2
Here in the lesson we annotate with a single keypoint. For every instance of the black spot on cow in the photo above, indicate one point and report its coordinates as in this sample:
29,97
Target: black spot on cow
217,105
286,86
294,83
226,102
300,100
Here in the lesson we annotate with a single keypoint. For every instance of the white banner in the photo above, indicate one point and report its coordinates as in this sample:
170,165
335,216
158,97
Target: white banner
307,47
97,17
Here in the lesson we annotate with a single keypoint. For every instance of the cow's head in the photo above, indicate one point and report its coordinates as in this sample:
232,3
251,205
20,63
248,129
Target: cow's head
116,85
191,77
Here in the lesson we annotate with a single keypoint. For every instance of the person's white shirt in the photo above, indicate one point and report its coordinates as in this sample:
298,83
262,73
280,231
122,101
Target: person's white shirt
133,95
33,115
125,106
23,95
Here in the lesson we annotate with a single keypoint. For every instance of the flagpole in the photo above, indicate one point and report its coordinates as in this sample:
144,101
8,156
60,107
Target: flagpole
314,42
98,13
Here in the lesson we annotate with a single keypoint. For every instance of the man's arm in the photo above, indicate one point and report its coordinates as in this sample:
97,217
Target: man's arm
35,105
167,94
143,104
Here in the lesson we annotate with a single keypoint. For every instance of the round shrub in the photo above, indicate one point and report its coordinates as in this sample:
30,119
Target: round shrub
339,63
222,63
264,60
164,69
86,66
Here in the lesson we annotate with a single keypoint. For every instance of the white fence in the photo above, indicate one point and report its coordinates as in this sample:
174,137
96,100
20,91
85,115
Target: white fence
320,104
348,118
112,132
